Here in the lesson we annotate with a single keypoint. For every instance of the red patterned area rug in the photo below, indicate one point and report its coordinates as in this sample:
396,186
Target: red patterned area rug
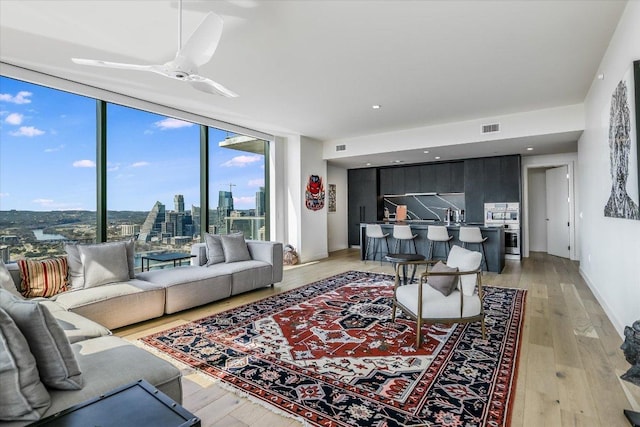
328,353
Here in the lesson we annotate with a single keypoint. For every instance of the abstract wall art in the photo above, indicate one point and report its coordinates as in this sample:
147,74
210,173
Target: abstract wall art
624,159
331,206
314,195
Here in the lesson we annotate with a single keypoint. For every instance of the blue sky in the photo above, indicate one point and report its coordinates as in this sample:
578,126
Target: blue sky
47,155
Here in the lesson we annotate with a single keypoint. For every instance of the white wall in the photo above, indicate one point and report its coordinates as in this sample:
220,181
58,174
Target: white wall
313,224
337,222
540,122
610,247
537,210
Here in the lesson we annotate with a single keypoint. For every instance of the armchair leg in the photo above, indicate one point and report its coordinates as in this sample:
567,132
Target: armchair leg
418,333
484,329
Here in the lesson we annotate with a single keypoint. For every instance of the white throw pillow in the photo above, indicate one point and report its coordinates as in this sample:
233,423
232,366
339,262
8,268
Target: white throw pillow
215,254
6,282
104,263
465,260
76,269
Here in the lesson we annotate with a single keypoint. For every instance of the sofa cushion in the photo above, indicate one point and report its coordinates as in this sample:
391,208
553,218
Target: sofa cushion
109,362
247,275
6,282
75,327
22,394
465,260
443,284
116,304
49,345
234,247
43,278
76,270
191,286
104,264
215,254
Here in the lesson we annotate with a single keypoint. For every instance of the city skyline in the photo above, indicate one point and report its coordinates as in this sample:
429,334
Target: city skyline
47,143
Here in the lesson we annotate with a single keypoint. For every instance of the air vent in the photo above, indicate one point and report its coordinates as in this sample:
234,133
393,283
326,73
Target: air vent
341,147
494,127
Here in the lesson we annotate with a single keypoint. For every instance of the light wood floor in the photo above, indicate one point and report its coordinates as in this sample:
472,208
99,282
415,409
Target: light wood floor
570,359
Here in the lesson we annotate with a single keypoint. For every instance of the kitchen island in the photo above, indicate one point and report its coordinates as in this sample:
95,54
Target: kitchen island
494,246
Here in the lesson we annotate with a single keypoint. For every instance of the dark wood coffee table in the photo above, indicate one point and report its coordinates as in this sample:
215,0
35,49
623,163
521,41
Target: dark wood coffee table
403,260
135,404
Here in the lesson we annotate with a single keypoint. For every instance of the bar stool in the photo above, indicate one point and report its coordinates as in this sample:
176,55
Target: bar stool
473,235
402,233
438,234
374,238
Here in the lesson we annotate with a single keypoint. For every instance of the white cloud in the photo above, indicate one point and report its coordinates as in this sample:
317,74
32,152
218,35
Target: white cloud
148,132
84,164
256,182
170,123
21,97
139,164
4,195
54,149
43,202
241,161
53,205
244,200
112,167
27,131
14,119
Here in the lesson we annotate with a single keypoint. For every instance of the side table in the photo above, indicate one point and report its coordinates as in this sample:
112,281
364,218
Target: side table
165,257
403,260
135,404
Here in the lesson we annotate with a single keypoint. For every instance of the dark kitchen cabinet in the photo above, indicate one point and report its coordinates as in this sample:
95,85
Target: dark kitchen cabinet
412,182
474,190
427,179
364,205
392,181
490,180
457,177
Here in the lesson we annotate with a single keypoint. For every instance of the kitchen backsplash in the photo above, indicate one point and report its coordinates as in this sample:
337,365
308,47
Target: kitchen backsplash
425,206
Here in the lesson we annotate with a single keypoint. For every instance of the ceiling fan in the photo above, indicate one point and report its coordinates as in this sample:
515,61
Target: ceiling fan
197,51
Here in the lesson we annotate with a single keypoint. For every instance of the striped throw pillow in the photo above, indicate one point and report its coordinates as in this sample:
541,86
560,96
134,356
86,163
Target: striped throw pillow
43,278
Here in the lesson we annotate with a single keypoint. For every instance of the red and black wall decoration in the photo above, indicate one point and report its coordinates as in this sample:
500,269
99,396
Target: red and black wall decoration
314,195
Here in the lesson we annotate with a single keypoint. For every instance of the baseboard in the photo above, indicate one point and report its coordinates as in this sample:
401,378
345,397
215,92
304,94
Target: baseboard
617,324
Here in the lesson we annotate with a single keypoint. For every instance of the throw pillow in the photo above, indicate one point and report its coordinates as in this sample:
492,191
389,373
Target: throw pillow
76,270
444,284
215,254
6,282
43,278
465,260
49,345
23,397
235,248
104,263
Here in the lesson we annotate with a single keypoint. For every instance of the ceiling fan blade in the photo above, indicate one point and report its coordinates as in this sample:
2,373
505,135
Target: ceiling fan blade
107,64
207,85
199,48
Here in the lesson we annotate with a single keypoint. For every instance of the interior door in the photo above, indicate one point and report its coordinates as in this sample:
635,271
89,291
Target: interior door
558,211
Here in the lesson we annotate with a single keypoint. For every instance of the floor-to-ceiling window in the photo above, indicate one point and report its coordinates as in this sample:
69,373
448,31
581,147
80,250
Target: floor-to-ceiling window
47,169
153,180
48,176
237,184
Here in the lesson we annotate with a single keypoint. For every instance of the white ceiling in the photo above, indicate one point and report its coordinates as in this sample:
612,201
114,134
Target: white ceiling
315,68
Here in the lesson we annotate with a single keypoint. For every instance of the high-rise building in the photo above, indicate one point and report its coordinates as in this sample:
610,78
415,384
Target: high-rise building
195,219
152,226
260,208
178,201
225,202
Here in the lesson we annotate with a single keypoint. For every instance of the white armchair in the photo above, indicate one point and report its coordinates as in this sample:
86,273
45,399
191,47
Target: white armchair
450,293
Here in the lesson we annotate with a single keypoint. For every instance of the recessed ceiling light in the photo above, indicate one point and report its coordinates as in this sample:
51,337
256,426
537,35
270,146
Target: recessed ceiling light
376,106
529,148
437,157
601,76
368,164
397,161
426,151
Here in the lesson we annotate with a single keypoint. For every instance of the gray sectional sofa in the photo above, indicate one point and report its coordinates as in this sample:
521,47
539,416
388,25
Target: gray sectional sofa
86,316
